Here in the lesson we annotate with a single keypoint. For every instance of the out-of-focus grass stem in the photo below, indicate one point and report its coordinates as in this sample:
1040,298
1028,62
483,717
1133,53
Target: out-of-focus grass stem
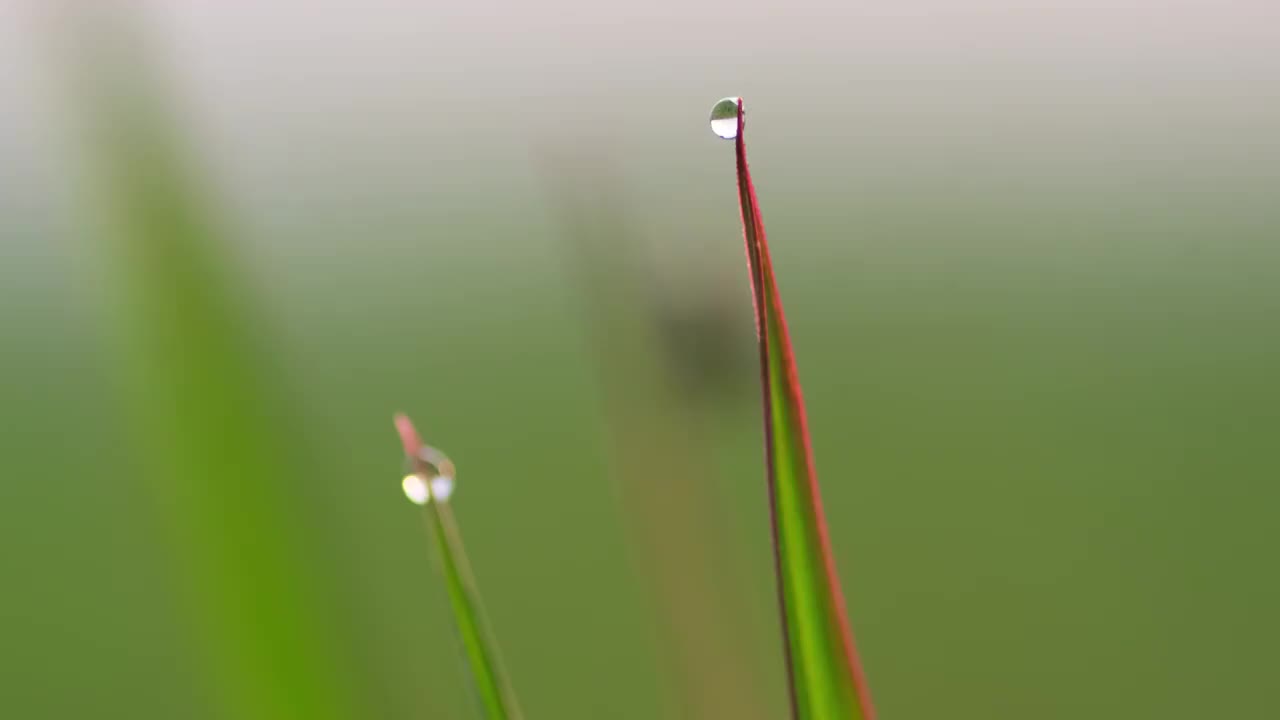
479,648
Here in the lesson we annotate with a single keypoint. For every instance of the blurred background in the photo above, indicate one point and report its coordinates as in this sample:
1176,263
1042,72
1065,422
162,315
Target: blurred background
1031,261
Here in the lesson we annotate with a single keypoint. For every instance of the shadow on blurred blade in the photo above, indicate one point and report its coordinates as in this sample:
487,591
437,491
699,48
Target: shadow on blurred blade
665,352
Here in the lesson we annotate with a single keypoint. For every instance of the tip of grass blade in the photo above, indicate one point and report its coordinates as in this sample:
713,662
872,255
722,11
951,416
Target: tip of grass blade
779,375
408,435
480,651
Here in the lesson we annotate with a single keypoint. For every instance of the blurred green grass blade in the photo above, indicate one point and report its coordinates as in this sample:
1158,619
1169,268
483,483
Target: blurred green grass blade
215,447
496,696
825,675
676,525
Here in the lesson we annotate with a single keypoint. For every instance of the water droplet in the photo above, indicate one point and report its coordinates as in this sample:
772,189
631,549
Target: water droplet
439,469
416,490
724,118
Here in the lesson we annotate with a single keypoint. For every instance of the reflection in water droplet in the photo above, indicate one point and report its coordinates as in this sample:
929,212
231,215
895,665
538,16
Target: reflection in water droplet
724,118
441,471
416,490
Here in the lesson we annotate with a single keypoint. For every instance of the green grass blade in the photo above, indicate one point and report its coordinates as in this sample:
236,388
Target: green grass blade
497,699
214,445
825,675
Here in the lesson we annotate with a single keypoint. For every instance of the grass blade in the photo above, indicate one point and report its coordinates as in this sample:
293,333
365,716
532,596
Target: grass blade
824,673
496,696
215,446
675,522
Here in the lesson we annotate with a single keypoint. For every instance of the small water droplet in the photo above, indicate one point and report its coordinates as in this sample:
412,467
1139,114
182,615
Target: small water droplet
441,472
416,490
724,117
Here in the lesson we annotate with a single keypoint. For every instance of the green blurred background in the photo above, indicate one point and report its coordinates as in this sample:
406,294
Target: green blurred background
1031,261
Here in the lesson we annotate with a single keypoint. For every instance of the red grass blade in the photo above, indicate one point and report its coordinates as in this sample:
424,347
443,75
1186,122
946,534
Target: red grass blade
824,673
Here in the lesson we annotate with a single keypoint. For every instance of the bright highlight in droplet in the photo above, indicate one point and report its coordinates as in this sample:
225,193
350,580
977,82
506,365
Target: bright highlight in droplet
724,118
416,489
